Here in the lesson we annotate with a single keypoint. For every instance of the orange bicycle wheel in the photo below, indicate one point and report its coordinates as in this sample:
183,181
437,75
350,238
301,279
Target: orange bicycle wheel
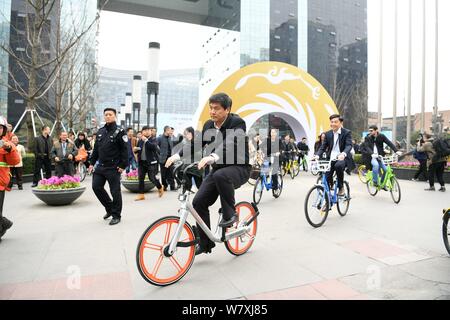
153,262
240,245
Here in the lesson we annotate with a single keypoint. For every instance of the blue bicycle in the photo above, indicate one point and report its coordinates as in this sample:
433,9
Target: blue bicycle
321,198
264,181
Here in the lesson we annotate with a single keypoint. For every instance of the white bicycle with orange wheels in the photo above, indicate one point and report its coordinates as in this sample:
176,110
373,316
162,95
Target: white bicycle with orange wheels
166,250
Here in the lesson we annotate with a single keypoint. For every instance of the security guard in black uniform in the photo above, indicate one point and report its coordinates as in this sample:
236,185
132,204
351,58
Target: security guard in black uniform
109,159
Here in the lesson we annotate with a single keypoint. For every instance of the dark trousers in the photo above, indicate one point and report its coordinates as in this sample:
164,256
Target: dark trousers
151,170
438,170
422,170
101,175
64,168
221,182
167,176
339,168
16,173
40,163
3,221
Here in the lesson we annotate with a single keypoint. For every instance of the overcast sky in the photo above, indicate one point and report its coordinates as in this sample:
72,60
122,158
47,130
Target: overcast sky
124,39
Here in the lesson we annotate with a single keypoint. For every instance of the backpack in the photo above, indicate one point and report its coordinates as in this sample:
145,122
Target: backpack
442,149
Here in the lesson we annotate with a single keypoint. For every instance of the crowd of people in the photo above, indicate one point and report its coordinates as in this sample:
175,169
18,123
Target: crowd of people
113,151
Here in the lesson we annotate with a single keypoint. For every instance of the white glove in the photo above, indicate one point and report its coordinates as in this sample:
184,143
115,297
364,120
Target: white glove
399,153
315,157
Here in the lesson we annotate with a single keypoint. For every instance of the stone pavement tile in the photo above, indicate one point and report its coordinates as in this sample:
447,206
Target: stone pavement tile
7,290
375,249
299,293
277,272
102,286
436,269
335,290
331,261
393,283
42,290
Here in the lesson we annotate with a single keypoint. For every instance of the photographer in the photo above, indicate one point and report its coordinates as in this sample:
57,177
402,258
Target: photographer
8,157
422,158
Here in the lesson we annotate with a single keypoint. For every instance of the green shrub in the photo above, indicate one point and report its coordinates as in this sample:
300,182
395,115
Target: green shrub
28,163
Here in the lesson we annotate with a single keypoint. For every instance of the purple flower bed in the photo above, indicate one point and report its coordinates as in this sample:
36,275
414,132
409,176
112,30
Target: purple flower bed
56,183
134,176
412,165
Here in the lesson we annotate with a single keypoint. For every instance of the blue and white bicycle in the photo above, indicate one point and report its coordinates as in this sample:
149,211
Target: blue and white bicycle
321,198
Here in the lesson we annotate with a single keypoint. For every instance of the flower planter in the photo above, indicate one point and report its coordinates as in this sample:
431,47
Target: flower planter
60,197
408,174
133,185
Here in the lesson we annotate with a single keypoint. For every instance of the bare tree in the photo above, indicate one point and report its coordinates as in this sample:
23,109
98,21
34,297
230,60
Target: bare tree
38,63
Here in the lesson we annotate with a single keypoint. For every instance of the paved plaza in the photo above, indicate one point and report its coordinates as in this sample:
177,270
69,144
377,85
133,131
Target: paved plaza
378,251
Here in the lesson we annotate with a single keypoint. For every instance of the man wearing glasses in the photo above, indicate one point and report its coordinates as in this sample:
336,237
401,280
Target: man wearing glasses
374,146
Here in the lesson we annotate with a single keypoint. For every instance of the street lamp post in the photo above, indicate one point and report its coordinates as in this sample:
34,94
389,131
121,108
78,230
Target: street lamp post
128,109
153,80
137,98
122,115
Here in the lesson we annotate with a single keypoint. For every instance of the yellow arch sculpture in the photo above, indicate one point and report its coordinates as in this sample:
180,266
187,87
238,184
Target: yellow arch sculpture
280,89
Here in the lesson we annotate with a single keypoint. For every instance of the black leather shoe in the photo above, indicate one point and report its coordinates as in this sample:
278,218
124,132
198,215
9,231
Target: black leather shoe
6,224
199,249
228,223
107,216
114,221
34,185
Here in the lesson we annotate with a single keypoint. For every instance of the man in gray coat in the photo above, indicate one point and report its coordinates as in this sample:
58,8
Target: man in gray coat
63,154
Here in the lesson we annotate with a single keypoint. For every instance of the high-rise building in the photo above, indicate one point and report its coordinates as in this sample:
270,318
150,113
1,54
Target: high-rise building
326,38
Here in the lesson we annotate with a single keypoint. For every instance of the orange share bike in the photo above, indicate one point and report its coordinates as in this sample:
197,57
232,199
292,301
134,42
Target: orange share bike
166,250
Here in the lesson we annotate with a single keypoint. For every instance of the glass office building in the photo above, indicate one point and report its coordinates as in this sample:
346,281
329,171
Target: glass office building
5,9
327,38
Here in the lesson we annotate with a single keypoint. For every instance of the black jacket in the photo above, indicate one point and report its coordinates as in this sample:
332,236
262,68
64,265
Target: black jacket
303,147
166,147
151,150
345,146
269,148
85,143
111,148
43,147
379,141
229,140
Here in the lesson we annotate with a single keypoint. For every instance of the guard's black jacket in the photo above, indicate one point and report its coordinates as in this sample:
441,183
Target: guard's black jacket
111,149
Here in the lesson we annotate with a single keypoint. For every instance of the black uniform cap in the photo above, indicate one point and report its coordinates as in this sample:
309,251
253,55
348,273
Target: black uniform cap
110,109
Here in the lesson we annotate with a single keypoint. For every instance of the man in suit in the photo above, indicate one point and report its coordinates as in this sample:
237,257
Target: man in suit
42,150
148,157
63,154
337,145
226,148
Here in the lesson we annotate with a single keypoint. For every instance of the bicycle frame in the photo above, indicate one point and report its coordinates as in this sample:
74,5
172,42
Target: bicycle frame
219,236
333,198
388,175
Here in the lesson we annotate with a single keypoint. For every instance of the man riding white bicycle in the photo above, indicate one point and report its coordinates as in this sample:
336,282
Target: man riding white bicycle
225,142
373,151
338,146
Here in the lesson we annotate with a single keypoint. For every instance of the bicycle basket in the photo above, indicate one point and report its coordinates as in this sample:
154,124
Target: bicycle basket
321,166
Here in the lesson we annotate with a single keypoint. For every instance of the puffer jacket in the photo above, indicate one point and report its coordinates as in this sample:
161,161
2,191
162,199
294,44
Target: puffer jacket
7,159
